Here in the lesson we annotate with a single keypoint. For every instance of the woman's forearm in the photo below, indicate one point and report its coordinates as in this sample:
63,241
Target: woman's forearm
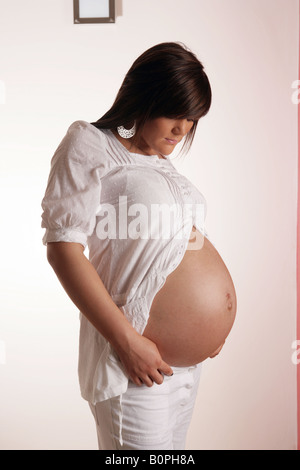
83,285
85,288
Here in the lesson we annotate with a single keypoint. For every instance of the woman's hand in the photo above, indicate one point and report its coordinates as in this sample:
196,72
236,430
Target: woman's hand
82,283
215,353
142,360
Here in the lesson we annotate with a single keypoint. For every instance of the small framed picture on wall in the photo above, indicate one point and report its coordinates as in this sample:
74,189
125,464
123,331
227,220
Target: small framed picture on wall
94,11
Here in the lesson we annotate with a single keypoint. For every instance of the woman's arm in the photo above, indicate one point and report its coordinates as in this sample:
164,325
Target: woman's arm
82,283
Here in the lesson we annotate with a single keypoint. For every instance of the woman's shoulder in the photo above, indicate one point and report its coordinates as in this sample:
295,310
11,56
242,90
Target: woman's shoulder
83,143
86,135
84,130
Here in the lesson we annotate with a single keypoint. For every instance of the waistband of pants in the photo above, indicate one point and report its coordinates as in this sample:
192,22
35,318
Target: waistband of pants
184,369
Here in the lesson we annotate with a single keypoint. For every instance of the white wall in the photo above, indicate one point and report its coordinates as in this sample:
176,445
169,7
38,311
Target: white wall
244,160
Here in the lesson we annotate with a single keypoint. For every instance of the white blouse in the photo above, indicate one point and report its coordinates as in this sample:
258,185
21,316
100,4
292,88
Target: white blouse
135,214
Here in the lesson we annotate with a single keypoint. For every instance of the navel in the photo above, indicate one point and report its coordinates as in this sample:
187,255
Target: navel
229,301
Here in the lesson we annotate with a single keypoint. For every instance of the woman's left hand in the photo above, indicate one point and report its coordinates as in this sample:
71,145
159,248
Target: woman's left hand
215,353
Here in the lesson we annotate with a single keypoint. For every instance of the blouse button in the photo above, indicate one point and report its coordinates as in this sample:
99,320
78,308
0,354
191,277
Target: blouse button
186,190
180,249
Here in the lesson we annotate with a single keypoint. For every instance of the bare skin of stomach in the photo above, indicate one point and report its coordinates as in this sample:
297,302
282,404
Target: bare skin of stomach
194,311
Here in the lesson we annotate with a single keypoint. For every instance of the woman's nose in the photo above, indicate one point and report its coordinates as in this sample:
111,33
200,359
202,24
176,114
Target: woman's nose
182,127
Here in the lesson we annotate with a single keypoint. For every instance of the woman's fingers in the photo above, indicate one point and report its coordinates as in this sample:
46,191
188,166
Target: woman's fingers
143,381
155,377
215,353
143,362
165,368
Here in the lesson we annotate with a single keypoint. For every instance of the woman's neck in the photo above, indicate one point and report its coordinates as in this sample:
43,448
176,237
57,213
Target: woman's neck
133,148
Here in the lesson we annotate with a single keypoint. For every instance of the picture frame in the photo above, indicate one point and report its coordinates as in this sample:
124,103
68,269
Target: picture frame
94,11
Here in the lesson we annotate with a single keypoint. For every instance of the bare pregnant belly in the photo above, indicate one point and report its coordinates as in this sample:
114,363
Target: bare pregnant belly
194,311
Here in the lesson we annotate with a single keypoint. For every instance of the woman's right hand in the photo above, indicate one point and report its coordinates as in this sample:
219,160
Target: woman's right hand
138,354
142,360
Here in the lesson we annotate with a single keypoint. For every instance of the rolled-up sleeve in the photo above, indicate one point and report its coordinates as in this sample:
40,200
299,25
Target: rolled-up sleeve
73,192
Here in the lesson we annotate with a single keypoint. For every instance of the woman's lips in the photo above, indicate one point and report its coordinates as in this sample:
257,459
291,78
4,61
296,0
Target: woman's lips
171,141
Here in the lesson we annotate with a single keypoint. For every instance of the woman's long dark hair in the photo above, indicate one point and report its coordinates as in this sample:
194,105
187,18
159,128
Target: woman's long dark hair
165,81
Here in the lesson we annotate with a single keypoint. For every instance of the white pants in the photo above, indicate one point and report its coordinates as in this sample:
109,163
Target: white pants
144,417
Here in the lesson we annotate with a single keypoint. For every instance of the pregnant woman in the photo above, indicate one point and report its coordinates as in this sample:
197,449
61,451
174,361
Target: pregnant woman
154,295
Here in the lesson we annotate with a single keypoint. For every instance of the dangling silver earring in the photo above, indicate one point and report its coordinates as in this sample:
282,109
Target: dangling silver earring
126,133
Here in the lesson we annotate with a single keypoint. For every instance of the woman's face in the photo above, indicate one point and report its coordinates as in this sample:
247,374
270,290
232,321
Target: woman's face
161,135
